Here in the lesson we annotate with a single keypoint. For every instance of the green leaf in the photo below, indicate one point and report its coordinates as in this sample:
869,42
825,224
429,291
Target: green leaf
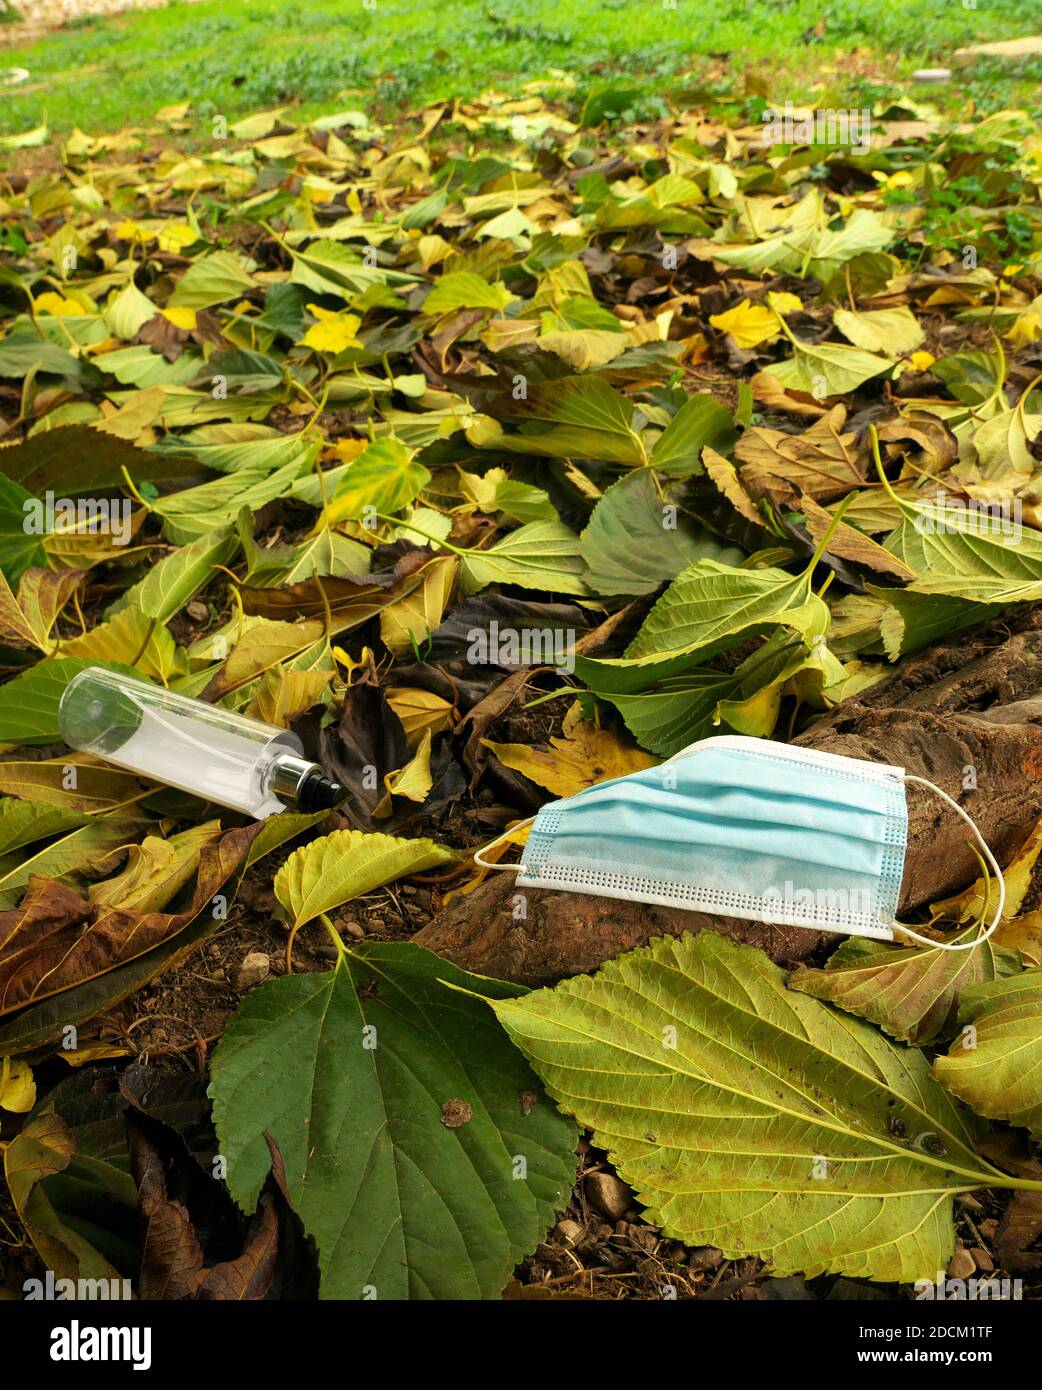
590,419
541,555
197,511
752,1118
353,1073
171,582
128,311
333,870
673,713
385,478
24,822
29,703
953,550
636,539
462,289
828,369
707,608
919,618
912,993
19,549
995,1064
73,850
325,553
894,332
75,460
701,420
212,279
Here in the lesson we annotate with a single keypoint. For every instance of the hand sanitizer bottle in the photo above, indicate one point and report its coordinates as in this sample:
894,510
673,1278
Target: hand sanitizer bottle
200,748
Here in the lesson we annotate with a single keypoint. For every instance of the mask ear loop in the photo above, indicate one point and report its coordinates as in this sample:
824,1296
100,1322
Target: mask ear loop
498,841
992,864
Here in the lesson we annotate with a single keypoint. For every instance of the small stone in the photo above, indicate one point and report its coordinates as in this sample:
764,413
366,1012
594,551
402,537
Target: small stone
407,890
254,968
932,75
569,1231
198,611
705,1257
989,1229
608,1194
354,929
969,1203
961,1265
377,924
983,1260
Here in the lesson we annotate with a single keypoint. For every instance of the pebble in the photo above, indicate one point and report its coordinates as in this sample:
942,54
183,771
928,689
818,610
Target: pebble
983,1260
568,1230
705,1257
962,1265
608,1194
254,968
198,611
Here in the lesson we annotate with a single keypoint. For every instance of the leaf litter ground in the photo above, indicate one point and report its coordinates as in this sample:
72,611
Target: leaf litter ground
315,357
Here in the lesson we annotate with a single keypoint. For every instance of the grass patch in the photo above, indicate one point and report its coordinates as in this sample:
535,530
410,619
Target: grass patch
108,72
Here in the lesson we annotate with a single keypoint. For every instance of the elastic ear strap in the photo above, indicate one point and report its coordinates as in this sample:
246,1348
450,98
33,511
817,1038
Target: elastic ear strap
992,864
498,841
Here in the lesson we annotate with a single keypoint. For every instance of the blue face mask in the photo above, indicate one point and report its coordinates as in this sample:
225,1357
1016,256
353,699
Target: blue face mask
740,827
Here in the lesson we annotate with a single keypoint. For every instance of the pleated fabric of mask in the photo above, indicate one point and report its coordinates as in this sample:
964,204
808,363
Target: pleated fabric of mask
740,827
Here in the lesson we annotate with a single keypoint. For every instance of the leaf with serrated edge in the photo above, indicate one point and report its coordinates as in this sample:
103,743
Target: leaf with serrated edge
320,876
995,1064
720,1094
911,993
348,1071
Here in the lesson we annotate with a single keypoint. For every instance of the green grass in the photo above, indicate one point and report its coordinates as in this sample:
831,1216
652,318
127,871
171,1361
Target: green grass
231,56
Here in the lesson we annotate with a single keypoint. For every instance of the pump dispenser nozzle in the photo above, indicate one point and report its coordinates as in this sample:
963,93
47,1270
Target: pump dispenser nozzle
200,748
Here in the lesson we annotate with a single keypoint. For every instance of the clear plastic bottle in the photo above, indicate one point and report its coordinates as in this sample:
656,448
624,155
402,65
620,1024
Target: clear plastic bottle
200,748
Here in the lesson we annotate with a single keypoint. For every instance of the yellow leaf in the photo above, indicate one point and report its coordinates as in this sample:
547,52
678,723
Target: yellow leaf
181,316
748,324
584,756
176,236
333,333
921,361
1027,327
419,711
91,1052
347,450
284,693
517,836
156,869
132,231
57,304
410,620
17,1087
412,781
344,865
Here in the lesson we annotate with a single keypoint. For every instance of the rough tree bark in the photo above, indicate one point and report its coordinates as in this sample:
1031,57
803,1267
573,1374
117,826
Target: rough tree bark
973,703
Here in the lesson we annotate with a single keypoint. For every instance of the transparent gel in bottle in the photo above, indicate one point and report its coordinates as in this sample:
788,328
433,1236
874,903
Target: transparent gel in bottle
200,748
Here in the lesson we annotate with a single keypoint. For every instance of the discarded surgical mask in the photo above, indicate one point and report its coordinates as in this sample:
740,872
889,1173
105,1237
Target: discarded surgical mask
742,827
200,748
